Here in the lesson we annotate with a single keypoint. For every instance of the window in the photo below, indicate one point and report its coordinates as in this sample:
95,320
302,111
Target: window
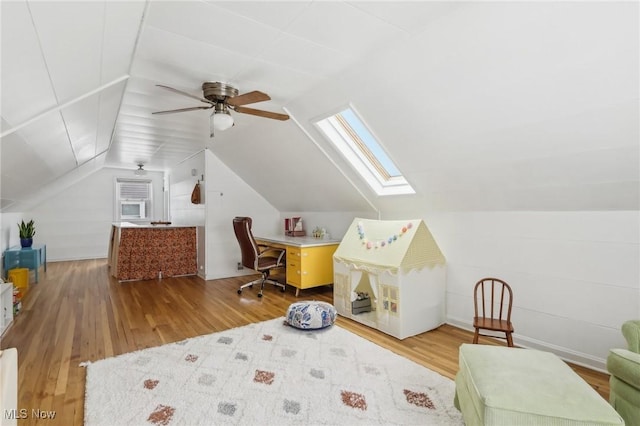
355,141
133,199
390,296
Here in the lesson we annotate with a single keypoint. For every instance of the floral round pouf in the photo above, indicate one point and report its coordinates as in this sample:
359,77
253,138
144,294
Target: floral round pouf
310,315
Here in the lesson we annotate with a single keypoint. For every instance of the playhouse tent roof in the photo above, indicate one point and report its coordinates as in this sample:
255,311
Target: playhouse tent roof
392,245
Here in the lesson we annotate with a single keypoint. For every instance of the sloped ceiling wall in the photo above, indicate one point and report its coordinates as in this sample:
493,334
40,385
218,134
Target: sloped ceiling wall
500,106
483,105
64,69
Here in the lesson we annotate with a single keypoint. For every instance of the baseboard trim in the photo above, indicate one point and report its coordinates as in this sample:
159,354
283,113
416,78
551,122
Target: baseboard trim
566,354
71,259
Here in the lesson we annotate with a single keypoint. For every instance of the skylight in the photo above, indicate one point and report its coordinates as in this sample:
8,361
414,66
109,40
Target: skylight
355,141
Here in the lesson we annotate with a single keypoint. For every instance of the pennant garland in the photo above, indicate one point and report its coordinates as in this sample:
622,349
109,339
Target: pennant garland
381,243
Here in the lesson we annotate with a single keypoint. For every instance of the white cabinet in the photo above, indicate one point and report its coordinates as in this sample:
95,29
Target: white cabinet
6,306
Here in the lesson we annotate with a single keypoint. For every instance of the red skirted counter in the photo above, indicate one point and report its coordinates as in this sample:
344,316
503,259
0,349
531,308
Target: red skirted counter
142,252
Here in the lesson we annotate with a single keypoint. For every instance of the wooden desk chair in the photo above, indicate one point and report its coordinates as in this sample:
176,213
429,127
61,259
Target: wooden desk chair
497,315
257,257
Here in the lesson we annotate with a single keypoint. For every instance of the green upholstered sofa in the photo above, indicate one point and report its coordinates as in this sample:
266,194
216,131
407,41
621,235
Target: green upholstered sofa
624,366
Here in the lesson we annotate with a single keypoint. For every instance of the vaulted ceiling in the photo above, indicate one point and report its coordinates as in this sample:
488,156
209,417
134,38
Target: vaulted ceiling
482,105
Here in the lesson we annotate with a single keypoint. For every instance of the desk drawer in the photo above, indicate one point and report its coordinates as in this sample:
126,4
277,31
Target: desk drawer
310,266
294,253
299,278
294,266
294,275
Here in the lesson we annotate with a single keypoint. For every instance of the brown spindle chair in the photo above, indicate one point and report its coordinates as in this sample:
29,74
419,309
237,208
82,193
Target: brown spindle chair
488,290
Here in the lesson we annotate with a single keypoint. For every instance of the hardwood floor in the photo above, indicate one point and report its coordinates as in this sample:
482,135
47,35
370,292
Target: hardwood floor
78,312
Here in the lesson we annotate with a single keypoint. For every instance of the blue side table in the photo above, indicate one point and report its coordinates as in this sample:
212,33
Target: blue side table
32,258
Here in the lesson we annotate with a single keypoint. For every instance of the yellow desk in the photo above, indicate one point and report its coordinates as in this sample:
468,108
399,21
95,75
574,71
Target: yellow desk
309,260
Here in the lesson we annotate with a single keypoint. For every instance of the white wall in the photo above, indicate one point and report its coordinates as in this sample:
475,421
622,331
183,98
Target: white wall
181,210
223,196
182,183
575,275
9,234
501,106
335,223
229,196
76,222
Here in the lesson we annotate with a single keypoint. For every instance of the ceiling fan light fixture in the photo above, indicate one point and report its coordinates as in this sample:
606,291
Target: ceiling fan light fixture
220,120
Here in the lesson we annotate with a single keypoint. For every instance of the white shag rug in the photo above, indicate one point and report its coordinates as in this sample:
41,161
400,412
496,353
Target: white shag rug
267,374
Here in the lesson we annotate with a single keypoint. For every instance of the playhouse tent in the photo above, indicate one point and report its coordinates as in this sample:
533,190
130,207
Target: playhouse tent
398,264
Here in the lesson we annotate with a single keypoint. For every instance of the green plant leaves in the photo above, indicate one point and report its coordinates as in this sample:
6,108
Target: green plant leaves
27,230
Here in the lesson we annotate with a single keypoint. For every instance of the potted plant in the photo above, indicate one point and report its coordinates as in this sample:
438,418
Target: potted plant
27,231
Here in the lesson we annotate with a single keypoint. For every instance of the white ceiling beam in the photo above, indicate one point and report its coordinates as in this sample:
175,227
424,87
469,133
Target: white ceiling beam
64,105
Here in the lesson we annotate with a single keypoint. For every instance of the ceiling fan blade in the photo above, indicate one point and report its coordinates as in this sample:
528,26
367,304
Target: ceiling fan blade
261,113
248,98
180,92
171,111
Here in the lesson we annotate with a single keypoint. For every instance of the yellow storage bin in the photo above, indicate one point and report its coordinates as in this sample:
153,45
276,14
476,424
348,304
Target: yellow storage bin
20,279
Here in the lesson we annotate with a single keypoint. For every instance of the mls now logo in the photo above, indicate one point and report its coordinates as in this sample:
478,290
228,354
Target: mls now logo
14,414
23,413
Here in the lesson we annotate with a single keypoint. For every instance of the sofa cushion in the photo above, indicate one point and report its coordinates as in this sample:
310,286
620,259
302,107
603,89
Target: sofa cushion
625,365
